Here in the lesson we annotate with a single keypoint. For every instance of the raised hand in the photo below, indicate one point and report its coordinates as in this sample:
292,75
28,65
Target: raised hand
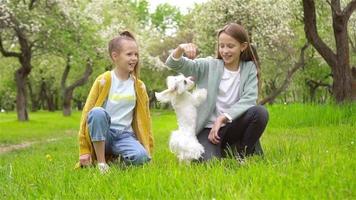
189,49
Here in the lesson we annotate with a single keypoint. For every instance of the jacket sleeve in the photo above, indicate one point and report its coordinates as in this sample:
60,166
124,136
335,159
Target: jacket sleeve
84,146
248,97
188,67
148,115
151,141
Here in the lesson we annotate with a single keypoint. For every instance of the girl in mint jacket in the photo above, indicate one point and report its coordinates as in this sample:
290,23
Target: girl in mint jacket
229,120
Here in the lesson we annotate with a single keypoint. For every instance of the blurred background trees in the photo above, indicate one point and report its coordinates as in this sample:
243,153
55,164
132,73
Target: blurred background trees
52,50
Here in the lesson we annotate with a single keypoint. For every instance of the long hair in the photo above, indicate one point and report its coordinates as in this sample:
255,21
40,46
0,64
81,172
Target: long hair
115,45
239,33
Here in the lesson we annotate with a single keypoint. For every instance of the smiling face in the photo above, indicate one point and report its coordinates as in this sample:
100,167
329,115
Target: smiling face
126,58
230,49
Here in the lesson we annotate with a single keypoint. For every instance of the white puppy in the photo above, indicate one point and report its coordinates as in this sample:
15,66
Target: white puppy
183,142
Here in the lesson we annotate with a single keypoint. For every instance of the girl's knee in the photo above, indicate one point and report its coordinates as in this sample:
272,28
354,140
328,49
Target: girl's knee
98,115
97,112
98,123
139,157
260,113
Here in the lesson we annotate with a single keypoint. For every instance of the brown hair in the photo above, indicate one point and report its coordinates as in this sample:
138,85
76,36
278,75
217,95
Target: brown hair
115,45
239,33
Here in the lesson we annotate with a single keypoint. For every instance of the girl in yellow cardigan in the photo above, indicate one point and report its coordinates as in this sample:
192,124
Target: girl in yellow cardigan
116,118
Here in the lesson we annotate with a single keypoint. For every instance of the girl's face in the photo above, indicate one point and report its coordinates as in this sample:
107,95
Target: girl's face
230,49
127,57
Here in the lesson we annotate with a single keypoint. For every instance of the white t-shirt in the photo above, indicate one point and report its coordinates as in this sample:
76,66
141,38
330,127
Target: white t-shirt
121,102
227,95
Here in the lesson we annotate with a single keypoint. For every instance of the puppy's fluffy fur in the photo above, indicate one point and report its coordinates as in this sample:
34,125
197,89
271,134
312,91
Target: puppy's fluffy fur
183,142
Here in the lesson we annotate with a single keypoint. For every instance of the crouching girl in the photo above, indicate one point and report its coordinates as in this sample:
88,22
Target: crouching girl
116,119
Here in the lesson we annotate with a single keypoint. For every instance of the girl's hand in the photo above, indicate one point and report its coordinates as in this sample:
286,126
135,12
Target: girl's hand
189,49
85,160
214,132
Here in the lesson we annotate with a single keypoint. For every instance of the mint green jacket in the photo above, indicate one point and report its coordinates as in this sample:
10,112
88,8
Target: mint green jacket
207,73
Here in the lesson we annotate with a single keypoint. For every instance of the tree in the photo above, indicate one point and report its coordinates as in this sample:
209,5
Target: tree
24,56
338,61
277,91
166,18
24,32
77,43
68,90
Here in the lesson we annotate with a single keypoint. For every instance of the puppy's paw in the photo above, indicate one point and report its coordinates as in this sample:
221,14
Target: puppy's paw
200,95
164,97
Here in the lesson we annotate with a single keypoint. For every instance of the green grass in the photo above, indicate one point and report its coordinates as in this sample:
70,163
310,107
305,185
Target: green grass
309,154
42,125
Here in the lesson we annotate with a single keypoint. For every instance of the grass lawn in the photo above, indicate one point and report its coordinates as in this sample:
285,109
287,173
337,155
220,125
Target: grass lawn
309,154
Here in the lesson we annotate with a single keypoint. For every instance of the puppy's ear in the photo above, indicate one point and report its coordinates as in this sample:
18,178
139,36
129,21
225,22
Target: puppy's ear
165,96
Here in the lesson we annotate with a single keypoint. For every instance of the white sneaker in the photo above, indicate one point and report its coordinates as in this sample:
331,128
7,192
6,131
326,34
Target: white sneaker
240,160
103,168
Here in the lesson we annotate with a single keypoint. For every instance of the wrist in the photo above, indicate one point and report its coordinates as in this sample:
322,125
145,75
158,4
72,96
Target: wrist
222,119
178,52
228,118
180,47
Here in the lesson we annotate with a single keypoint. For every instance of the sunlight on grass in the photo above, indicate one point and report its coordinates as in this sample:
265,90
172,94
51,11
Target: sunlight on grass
309,154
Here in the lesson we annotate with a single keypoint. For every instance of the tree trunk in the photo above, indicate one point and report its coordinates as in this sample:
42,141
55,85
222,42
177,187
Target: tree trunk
353,87
21,103
342,83
68,91
342,70
57,98
312,91
42,95
354,90
67,102
314,85
78,103
50,102
339,62
24,57
34,101
284,85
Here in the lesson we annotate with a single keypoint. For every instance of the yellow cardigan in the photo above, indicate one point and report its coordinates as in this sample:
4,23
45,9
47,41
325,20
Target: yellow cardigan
141,122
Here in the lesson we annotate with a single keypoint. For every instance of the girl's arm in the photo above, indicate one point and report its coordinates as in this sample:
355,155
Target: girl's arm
189,66
189,49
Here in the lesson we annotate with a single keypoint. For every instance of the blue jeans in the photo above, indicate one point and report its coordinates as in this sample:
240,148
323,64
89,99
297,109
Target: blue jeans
117,142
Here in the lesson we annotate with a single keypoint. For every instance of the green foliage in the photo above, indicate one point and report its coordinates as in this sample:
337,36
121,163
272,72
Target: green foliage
166,17
83,29
141,9
8,85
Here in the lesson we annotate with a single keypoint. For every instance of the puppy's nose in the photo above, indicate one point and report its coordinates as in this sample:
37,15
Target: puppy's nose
192,78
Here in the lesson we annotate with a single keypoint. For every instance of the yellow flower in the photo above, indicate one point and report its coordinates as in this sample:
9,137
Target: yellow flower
49,157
